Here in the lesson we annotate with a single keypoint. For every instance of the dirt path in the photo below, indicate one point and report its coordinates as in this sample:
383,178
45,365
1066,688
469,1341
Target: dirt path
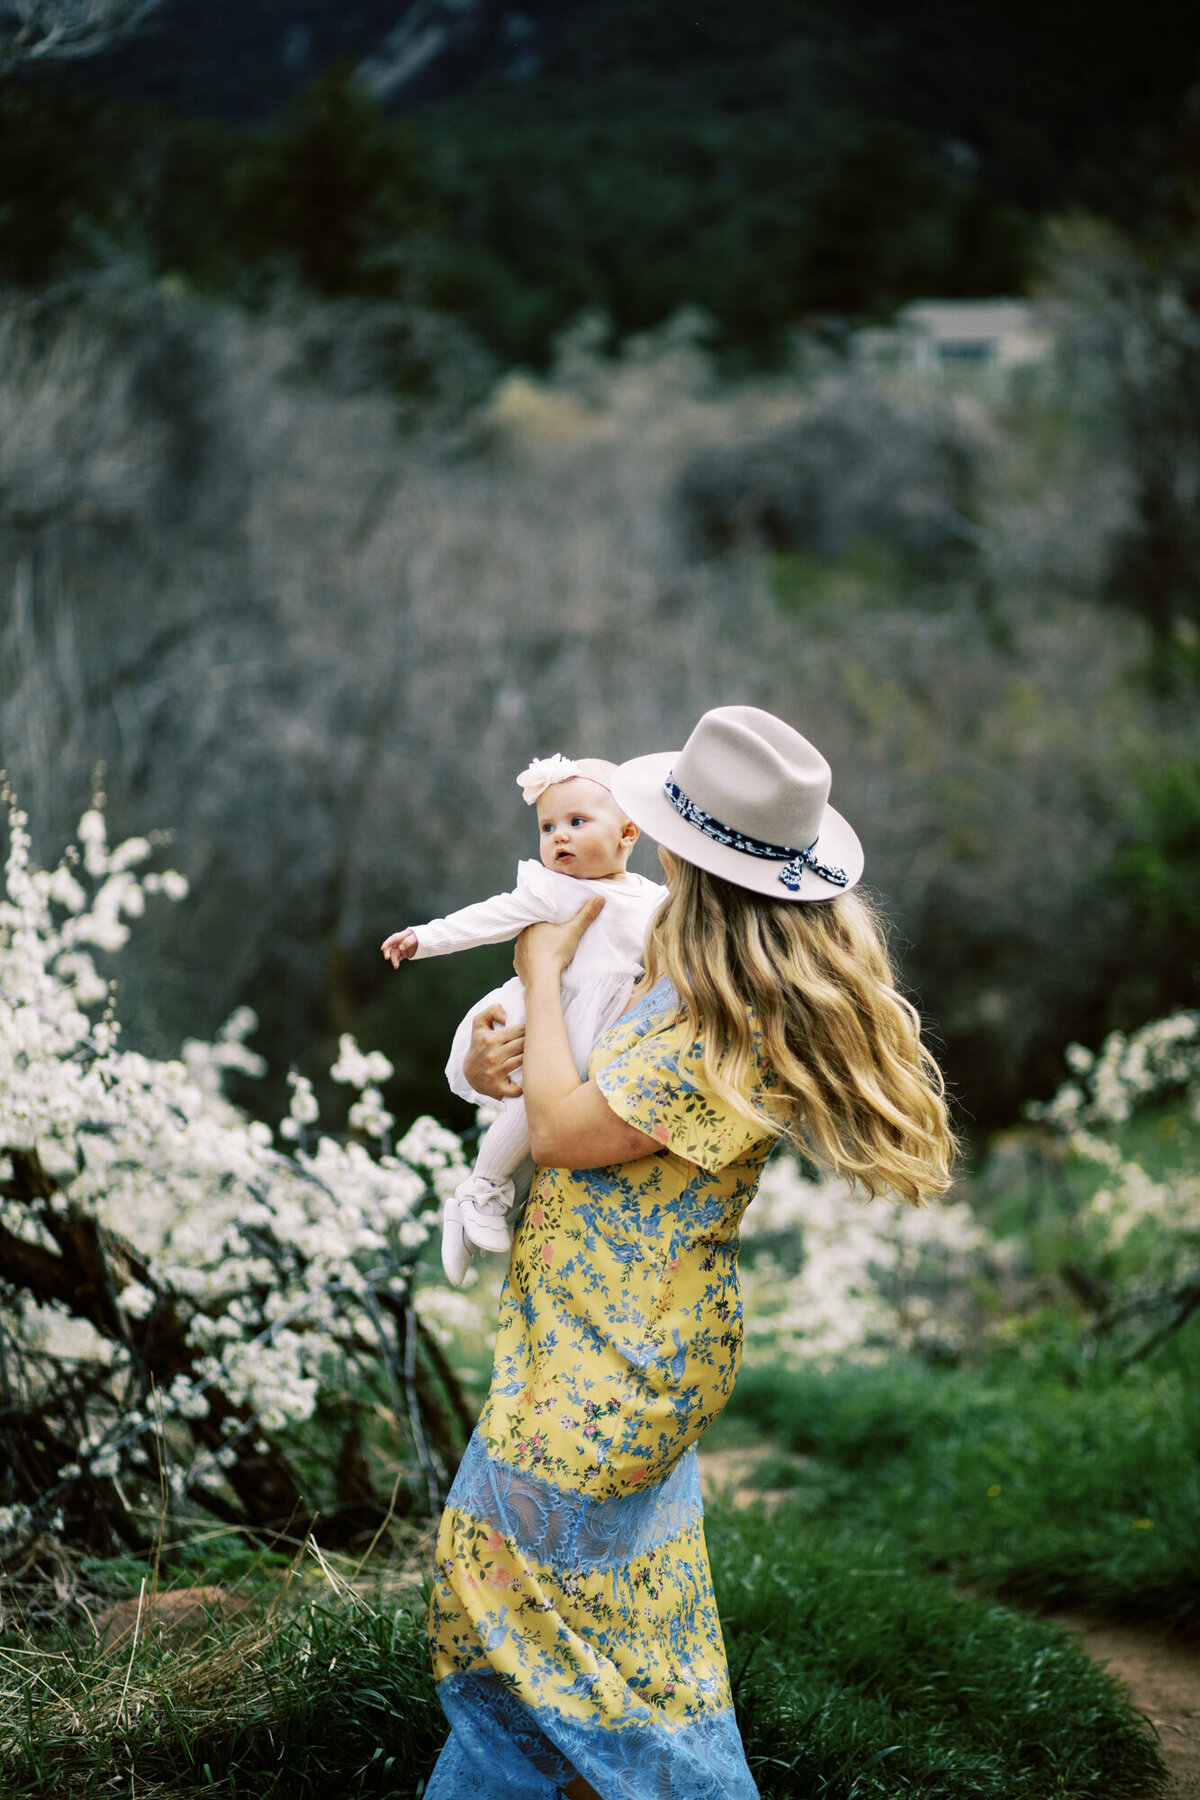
1162,1675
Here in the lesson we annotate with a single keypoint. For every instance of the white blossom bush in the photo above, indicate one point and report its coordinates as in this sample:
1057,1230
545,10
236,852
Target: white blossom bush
178,1291
827,1275
1140,1229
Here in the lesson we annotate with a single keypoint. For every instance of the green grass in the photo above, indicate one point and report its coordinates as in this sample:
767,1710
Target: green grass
1026,1486
859,1678
216,1558
323,1699
854,1675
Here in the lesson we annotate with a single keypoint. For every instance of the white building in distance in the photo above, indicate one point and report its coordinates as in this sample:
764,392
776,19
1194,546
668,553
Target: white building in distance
941,336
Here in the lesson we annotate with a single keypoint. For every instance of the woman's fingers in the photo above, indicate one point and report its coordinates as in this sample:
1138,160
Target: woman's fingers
588,913
494,1051
551,947
504,1043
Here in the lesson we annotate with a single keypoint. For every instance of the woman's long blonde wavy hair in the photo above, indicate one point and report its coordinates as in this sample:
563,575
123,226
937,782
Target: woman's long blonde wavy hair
855,1088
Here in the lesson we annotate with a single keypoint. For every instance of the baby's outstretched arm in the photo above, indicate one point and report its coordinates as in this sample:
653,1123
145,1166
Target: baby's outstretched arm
491,921
400,946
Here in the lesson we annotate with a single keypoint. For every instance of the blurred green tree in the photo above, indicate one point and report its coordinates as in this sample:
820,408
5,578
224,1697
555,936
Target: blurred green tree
887,224
338,192
1156,375
992,246
878,226
186,213
58,195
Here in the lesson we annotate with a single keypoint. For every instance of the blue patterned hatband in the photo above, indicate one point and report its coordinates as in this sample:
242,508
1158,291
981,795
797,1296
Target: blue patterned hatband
795,861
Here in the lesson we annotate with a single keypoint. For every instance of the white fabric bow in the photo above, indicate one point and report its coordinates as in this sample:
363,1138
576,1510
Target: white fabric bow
544,772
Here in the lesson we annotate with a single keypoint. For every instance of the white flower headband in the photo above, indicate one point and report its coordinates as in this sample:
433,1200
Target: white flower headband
544,772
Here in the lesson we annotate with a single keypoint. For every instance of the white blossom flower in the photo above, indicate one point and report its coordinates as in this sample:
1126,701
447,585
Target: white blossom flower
370,1116
359,1070
852,1295
1153,1066
544,772
303,1105
137,1301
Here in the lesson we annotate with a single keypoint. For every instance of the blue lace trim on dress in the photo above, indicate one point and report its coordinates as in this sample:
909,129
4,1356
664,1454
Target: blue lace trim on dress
501,1749
566,1530
496,1749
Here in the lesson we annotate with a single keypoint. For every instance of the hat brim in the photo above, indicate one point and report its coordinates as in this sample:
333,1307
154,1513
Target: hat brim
638,786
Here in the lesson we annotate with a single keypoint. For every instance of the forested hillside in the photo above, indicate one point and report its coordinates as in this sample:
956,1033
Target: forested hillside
769,162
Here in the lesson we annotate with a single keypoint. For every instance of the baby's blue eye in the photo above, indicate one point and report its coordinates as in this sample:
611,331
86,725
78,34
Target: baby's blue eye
578,821
548,825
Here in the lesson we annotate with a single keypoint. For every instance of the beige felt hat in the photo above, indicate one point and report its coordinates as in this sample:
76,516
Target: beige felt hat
747,798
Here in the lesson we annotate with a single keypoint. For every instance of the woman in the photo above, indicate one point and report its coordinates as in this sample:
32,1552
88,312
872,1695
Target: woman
574,1632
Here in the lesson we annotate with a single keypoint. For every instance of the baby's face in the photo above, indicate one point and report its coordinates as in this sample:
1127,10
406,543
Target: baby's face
582,830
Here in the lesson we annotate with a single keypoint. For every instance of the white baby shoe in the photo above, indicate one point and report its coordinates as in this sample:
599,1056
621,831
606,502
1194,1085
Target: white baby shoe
476,1216
485,1208
456,1252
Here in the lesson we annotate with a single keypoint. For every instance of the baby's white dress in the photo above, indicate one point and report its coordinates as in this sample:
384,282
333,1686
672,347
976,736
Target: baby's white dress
597,982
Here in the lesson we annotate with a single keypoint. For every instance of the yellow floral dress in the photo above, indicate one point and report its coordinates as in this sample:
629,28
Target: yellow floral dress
572,1621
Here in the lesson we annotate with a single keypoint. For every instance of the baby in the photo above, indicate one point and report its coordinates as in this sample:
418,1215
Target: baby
585,842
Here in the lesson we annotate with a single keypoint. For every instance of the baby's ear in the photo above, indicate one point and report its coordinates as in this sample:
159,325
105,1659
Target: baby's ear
630,833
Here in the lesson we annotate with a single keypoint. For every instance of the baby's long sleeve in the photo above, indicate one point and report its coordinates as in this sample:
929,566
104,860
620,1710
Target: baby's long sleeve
489,921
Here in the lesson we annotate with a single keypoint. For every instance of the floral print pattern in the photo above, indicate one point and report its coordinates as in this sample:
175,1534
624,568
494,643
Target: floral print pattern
571,1565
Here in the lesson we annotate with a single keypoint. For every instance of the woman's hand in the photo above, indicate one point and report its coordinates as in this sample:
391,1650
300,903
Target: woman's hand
495,1050
543,951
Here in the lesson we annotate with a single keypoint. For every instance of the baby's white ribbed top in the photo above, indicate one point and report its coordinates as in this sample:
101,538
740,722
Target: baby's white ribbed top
612,944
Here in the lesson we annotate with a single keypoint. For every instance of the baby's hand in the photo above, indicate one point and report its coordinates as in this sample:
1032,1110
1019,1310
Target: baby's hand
400,946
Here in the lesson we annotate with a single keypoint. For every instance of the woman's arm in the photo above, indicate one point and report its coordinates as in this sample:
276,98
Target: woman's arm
571,1125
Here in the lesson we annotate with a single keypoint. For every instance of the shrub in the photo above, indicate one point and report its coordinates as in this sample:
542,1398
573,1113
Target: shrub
179,1293
858,465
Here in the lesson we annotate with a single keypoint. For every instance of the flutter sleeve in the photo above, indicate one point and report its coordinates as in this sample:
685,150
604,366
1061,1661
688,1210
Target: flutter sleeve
656,1084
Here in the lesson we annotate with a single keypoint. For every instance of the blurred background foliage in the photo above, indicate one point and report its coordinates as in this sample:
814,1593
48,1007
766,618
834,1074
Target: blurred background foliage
761,160
362,433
